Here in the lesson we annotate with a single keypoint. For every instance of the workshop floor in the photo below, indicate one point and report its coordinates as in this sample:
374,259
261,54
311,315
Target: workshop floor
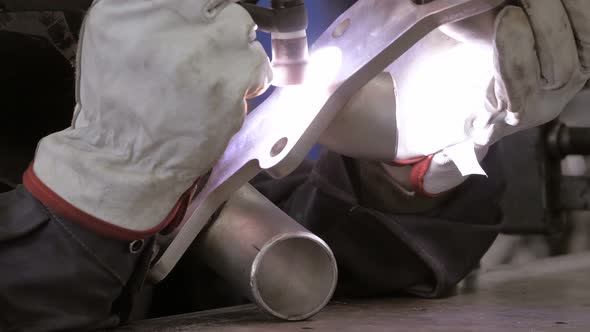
546,295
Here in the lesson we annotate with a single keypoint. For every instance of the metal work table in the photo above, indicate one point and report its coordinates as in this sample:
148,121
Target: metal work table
548,295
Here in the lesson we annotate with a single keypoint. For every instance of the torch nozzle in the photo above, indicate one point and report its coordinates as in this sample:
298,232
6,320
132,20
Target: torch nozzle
287,23
290,54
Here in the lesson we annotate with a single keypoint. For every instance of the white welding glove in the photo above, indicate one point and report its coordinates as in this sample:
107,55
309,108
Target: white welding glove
541,59
162,88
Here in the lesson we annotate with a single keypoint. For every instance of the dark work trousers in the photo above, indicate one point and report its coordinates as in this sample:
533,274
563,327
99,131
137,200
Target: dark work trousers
386,242
57,276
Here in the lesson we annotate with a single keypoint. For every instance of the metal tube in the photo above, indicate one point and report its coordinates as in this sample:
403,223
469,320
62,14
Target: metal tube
366,127
564,141
287,271
574,141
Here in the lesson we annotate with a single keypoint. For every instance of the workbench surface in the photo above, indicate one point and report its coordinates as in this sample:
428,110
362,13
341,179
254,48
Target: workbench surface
548,295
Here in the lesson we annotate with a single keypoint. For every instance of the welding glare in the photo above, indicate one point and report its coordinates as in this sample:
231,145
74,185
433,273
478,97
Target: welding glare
440,89
321,72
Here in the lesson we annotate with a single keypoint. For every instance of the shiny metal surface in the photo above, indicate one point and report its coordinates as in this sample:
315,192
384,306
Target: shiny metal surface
283,268
366,127
278,135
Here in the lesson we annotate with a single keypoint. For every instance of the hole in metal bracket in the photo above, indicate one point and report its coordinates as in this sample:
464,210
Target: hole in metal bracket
341,28
279,147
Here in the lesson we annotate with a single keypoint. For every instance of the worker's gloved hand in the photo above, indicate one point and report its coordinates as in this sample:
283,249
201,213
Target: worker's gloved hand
541,60
162,87
181,68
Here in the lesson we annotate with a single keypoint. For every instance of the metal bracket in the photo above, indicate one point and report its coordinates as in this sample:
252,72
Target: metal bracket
278,135
574,193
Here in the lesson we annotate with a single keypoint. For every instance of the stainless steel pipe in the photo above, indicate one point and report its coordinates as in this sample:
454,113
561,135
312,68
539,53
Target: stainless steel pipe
286,270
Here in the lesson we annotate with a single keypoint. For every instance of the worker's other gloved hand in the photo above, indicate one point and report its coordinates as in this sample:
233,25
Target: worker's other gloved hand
162,87
541,57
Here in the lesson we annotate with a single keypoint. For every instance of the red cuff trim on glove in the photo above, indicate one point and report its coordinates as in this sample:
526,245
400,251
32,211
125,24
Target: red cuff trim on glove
417,176
66,210
406,162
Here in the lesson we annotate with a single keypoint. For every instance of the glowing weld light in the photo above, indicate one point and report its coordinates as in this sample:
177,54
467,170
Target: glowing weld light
304,101
439,92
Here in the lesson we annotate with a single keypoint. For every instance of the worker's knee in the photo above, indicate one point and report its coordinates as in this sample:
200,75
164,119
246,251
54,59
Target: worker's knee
56,275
